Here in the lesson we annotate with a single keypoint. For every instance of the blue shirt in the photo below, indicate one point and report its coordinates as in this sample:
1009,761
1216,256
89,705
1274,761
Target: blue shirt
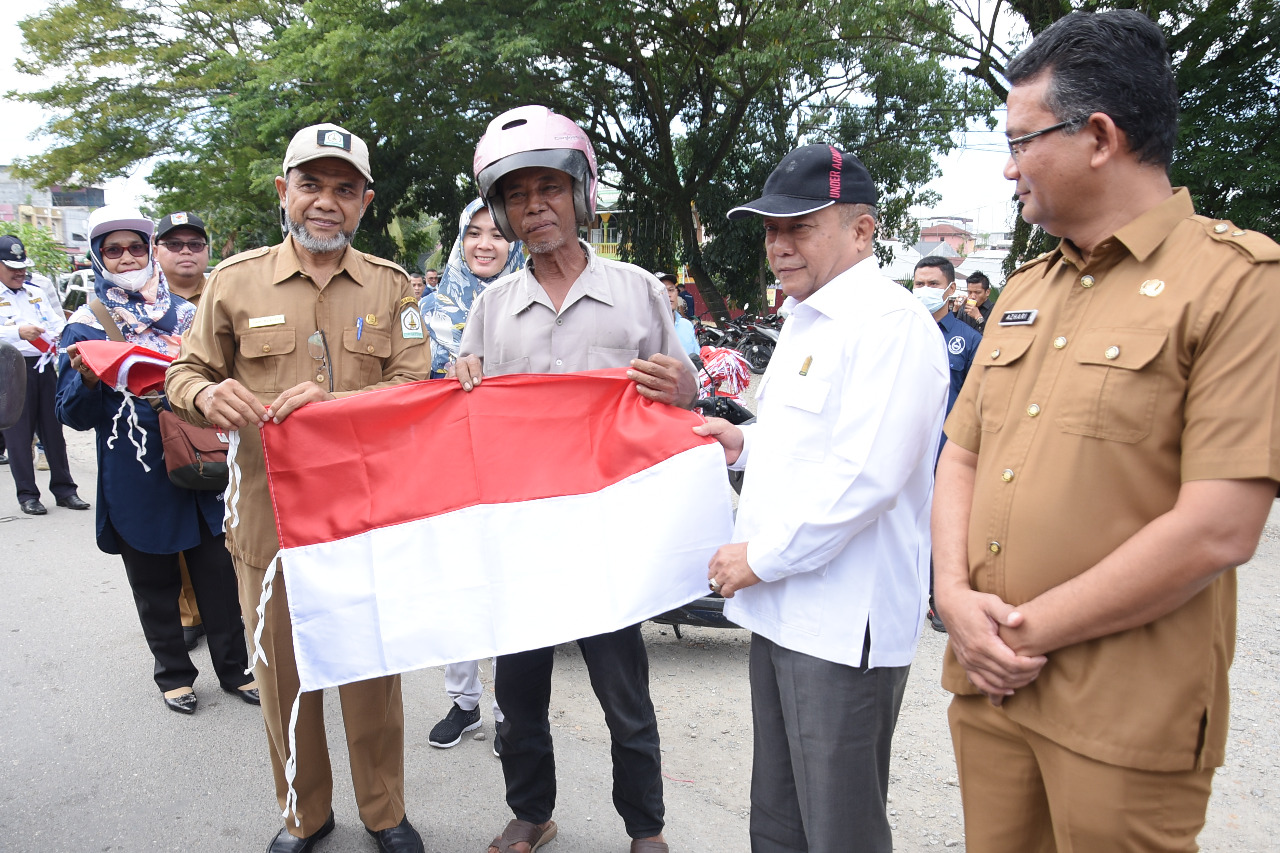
684,331
962,345
144,508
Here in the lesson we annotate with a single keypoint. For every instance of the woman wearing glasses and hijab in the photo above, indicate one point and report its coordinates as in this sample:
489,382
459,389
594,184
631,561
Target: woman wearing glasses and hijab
142,516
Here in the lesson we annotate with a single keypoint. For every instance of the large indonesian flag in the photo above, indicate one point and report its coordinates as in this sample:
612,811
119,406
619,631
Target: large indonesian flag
422,524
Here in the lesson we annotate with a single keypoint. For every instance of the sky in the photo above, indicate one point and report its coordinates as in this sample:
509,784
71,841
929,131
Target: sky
970,185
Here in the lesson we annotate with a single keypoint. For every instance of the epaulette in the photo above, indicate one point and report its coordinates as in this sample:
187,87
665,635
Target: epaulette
1254,245
243,256
383,262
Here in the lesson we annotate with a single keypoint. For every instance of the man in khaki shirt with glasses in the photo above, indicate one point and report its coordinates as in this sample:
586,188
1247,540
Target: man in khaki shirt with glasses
310,319
1115,453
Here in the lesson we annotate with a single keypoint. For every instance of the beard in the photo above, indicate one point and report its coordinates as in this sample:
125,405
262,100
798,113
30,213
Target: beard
543,247
317,245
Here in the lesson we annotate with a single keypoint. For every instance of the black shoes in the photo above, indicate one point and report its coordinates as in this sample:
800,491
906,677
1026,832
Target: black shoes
448,732
249,697
191,635
4,459
936,621
183,703
33,507
73,502
286,843
402,838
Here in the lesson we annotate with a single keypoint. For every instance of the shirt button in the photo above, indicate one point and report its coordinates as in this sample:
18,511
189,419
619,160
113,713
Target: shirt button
1059,342
559,321
559,362
993,547
266,347
995,353
1237,233
1086,281
1007,475
1033,410
1220,228
1112,352
371,348
320,377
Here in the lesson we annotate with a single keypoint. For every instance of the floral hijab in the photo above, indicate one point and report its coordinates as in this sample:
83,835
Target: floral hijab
157,324
446,315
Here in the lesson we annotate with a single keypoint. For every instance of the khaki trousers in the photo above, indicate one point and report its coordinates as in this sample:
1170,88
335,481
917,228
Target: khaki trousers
187,597
372,714
1023,793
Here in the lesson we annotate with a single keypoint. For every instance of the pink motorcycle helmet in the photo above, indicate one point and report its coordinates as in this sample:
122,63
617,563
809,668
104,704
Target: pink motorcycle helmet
534,136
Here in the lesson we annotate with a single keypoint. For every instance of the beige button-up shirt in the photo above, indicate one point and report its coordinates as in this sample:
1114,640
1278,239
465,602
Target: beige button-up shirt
613,313
257,311
1099,389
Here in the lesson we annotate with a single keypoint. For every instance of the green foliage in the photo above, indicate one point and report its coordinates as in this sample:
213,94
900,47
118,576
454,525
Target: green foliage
42,248
688,102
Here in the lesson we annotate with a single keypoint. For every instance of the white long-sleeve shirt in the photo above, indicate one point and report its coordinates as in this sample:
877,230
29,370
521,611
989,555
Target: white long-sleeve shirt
28,306
835,504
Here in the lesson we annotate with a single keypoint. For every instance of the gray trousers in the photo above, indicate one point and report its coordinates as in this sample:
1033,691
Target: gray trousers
823,730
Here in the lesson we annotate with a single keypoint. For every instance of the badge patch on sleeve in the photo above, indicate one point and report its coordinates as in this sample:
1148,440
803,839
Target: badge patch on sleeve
410,324
1018,318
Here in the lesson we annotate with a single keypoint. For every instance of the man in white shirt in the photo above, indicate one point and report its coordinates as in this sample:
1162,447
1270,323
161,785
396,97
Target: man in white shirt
833,585
29,322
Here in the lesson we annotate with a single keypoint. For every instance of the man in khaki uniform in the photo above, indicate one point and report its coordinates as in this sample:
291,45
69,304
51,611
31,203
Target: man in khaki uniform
182,250
310,319
1114,453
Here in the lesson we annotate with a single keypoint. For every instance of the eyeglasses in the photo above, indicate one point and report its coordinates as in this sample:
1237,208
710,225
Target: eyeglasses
318,346
138,250
176,246
1019,143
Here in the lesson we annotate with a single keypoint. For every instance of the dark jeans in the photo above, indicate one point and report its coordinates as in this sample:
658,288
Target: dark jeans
619,669
820,773
38,416
156,582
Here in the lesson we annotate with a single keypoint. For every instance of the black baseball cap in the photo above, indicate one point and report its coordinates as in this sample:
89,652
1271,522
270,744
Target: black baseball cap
12,253
810,178
181,219
666,276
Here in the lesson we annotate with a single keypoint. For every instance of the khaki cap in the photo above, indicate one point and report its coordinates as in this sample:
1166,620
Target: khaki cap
328,140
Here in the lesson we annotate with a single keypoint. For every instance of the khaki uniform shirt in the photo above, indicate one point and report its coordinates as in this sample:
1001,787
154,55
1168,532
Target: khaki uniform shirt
256,313
613,313
1155,363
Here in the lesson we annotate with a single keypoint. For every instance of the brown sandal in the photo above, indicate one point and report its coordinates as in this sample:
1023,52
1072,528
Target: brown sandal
518,831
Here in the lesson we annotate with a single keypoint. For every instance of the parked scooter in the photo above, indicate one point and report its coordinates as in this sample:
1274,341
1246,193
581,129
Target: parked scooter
758,343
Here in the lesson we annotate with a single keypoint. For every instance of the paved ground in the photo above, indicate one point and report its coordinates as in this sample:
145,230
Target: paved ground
93,761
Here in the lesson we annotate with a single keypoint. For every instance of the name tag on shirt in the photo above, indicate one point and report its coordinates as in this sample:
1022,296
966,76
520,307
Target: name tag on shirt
259,322
1018,318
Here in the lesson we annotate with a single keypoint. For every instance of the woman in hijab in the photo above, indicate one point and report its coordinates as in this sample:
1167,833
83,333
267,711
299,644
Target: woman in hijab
142,516
479,256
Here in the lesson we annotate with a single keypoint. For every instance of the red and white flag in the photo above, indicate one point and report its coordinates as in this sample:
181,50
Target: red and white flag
421,524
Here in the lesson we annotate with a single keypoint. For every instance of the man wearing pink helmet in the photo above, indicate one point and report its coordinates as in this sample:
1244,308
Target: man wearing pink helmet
569,310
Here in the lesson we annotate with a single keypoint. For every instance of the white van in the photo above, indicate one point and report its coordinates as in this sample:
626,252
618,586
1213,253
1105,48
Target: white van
75,289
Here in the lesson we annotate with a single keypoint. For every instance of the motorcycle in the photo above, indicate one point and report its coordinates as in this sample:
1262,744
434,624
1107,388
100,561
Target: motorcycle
759,341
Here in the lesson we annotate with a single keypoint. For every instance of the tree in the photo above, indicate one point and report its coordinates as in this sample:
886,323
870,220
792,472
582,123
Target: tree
687,101
1225,54
42,249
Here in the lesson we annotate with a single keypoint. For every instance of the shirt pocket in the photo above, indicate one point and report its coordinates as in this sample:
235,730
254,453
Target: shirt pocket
999,360
600,358
268,364
797,405
506,368
366,354
1109,391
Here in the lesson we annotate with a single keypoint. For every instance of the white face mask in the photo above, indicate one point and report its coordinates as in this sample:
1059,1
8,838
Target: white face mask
133,280
932,298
